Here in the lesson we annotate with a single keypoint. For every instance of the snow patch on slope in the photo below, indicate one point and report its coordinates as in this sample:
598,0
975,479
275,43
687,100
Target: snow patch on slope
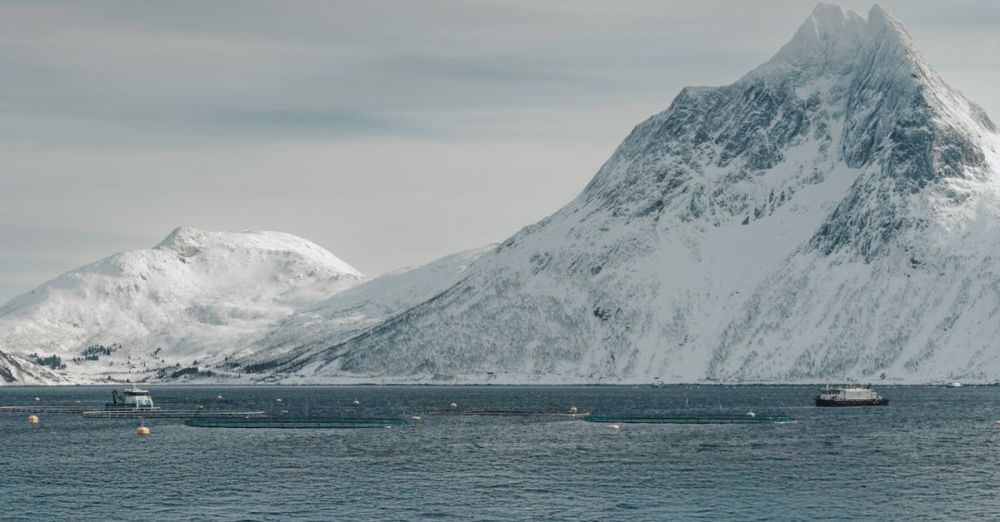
293,345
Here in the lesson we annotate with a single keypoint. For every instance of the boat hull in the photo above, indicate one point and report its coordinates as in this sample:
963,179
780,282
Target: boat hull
826,403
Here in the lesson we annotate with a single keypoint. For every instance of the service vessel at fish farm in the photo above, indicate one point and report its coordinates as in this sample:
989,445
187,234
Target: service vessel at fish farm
864,396
132,399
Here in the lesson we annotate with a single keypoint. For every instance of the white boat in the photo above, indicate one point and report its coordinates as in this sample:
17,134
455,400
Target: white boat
864,396
132,399
955,384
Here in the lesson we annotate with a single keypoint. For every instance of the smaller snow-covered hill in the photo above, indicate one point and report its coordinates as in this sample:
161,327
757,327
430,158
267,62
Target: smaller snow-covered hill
194,298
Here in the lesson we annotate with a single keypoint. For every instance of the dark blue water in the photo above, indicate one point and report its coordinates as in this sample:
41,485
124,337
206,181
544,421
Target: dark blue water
933,453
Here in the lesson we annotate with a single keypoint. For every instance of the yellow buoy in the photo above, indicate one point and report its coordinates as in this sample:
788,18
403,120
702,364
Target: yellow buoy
143,430
33,419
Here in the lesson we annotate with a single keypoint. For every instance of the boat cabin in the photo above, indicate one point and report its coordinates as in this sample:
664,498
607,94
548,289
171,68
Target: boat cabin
132,399
847,394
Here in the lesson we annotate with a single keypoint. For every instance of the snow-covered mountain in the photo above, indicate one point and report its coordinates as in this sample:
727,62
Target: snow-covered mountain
192,300
831,215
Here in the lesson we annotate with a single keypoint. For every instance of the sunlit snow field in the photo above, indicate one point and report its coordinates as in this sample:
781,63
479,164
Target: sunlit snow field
931,454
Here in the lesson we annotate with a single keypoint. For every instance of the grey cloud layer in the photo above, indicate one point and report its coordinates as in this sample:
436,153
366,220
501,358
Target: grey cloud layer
355,124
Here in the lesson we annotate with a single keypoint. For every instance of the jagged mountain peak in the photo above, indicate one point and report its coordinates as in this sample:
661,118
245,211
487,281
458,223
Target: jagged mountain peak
835,41
828,30
849,89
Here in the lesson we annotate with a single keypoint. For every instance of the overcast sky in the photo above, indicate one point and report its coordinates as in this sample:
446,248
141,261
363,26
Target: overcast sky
389,132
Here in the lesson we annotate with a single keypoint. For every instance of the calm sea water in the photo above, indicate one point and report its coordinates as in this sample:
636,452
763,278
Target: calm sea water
933,453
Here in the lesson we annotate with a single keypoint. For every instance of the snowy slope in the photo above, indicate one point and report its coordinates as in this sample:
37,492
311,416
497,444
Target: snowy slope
196,296
831,215
288,351
17,370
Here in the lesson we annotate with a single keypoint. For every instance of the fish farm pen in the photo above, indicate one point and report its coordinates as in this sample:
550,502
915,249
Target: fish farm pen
507,413
166,414
706,418
291,423
690,409
41,409
216,411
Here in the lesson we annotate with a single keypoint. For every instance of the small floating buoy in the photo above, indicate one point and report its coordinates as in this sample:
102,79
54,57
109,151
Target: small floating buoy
284,412
220,398
751,414
453,406
38,398
417,417
572,409
355,402
78,402
143,430
614,427
277,400
33,419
